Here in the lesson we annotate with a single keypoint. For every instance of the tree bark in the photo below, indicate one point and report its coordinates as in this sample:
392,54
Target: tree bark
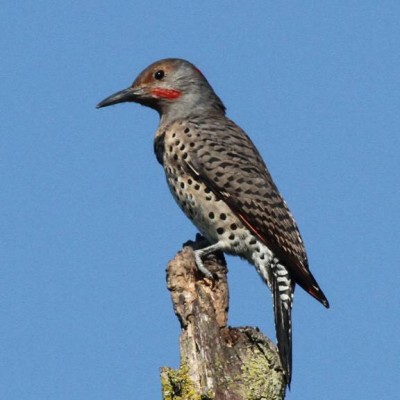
217,362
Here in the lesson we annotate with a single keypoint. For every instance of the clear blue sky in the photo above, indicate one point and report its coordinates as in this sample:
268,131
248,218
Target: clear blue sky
88,224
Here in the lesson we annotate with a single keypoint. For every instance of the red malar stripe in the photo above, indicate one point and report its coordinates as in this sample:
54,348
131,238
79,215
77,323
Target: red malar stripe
166,93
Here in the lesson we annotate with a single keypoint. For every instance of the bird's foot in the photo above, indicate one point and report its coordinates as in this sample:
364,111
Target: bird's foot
200,265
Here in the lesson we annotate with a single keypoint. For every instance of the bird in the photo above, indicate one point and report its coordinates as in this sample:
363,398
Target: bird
221,182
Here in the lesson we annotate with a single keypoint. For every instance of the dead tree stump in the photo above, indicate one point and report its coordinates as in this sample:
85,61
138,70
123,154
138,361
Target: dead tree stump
217,362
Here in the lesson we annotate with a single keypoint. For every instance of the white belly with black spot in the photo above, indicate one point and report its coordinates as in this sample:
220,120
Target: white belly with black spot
215,220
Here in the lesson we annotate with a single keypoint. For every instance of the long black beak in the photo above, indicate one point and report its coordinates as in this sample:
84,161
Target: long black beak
122,96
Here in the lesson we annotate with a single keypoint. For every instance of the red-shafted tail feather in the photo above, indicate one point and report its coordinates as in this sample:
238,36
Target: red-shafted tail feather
300,274
234,171
283,326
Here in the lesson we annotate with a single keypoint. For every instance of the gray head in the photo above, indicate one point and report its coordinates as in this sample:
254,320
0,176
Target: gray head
174,87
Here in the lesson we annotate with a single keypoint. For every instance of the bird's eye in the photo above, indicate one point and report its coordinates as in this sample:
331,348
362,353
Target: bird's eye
159,74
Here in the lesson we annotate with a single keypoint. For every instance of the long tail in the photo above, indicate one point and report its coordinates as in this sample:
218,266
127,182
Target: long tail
282,292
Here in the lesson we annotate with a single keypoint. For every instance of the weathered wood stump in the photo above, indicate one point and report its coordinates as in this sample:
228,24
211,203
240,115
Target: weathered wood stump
217,361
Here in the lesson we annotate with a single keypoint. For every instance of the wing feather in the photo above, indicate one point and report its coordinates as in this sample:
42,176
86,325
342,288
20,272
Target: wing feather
226,160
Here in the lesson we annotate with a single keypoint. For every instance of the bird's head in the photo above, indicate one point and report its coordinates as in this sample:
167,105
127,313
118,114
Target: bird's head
174,87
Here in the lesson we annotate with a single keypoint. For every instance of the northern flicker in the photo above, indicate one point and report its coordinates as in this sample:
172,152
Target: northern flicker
219,180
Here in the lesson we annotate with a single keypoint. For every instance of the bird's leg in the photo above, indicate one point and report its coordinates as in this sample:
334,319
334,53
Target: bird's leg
199,254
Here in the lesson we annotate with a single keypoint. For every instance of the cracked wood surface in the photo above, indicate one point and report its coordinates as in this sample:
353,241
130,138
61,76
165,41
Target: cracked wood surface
217,361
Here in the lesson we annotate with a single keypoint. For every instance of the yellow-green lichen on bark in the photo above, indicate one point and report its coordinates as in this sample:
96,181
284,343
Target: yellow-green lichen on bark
177,385
254,373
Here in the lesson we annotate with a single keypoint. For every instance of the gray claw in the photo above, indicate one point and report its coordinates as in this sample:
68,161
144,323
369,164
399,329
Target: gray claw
200,264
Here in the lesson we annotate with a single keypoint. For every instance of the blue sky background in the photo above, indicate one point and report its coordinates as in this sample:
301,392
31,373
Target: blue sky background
88,224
